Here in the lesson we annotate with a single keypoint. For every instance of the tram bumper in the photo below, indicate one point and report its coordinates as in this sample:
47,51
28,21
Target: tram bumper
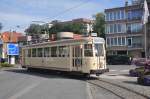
99,71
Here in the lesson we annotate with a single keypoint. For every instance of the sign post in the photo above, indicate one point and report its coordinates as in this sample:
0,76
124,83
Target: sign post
12,51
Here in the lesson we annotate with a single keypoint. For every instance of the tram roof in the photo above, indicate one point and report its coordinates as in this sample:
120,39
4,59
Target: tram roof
71,41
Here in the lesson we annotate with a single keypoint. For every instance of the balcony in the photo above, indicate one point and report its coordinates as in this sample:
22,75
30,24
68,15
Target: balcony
134,33
135,46
134,18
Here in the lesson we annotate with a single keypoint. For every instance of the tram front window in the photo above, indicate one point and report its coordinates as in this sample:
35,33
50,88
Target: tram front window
99,50
88,52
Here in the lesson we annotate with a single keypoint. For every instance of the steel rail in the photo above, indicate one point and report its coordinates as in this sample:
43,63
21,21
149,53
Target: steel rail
93,82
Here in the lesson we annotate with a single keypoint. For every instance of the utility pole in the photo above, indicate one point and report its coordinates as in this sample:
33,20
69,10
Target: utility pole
145,40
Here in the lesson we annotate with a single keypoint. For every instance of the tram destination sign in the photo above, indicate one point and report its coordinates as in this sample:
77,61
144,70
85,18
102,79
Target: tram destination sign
12,49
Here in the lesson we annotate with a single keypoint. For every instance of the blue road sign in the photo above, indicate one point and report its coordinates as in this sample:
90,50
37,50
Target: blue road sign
12,49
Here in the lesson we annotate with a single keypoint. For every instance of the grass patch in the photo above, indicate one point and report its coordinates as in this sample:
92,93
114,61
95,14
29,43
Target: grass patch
5,65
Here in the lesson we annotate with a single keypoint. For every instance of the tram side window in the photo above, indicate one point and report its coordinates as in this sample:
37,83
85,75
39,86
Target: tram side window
46,52
88,52
66,51
78,51
29,53
63,51
99,50
53,51
40,52
34,52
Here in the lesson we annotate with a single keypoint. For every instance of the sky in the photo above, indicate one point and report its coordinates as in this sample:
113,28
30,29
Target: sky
22,13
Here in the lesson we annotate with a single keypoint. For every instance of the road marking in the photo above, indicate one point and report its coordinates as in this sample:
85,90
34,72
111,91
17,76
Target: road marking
89,91
124,70
112,70
24,91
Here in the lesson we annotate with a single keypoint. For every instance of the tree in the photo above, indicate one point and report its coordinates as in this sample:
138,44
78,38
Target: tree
1,26
67,27
99,24
34,29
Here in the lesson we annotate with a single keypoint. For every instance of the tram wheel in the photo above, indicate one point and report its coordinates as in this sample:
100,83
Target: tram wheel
86,75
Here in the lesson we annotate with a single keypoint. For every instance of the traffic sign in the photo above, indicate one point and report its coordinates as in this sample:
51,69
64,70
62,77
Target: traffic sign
12,49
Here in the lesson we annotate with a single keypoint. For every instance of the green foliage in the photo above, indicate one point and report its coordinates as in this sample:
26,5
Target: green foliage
6,65
118,59
68,27
99,24
34,29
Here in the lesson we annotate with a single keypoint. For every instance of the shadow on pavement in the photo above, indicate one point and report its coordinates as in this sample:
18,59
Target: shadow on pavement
50,74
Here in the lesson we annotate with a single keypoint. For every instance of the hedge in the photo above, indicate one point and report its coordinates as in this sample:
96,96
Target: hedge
118,60
6,65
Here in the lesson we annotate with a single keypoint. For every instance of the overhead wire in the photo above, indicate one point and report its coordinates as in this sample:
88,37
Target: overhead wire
68,10
60,13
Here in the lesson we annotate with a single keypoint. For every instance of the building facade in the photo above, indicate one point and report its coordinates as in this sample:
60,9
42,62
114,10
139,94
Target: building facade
125,33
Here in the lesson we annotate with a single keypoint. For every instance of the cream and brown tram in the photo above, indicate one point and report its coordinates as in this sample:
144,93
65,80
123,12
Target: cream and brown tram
86,55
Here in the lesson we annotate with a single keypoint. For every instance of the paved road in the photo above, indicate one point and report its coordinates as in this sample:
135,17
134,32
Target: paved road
119,72
20,84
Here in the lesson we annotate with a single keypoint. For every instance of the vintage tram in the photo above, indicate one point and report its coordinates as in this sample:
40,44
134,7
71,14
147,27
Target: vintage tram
84,55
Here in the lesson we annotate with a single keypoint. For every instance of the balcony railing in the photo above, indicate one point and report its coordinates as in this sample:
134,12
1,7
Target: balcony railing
136,45
134,18
134,32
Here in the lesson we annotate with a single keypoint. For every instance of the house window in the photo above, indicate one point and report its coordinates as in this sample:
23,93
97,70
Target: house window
119,27
129,42
119,41
122,14
108,41
123,41
112,41
118,15
115,41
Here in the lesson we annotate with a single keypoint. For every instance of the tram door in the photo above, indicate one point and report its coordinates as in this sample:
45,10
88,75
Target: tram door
99,54
23,57
77,57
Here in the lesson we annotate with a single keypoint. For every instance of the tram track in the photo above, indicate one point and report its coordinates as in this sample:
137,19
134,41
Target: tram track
118,90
